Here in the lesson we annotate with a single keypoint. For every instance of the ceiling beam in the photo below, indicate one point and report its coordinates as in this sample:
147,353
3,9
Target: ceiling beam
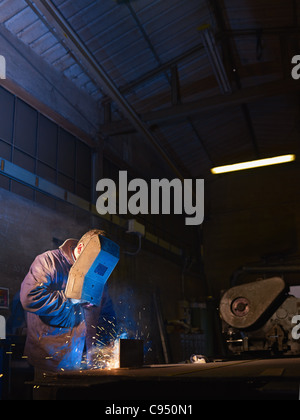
151,74
195,51
47,11
178,113
218,102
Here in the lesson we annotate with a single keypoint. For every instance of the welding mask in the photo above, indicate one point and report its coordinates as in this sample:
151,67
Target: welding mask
91,270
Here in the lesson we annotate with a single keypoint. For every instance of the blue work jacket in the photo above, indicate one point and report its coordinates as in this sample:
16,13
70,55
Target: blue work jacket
58,330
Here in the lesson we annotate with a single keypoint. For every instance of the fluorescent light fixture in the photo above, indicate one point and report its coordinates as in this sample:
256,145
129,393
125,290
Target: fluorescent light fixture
214,57
253,164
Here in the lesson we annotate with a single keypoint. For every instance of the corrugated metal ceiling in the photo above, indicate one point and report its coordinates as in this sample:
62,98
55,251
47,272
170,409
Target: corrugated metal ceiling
138,42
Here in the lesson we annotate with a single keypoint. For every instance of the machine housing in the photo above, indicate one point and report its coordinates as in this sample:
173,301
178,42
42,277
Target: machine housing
258,317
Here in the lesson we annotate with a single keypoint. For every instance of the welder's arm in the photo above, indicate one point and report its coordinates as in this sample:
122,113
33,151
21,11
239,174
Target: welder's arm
38,294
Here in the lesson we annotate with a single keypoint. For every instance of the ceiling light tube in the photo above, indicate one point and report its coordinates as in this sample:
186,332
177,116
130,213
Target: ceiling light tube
253,164
215,59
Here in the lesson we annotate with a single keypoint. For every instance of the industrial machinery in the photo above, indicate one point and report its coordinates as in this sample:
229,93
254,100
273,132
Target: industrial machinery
261,316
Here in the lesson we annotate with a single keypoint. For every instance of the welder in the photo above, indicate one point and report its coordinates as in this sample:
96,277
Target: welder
61,331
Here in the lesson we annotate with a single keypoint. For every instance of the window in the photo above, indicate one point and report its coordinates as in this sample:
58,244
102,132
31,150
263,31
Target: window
37,144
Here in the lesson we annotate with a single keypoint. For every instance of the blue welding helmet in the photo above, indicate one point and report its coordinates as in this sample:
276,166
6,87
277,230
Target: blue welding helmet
92,269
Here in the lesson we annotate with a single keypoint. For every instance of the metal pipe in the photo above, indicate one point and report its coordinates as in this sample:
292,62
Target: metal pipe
277,269
274,269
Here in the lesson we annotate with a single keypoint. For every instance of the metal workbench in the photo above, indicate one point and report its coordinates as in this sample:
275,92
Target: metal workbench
237,379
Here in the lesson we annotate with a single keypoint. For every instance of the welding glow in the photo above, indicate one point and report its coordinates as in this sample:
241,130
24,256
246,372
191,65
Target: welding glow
106,356
253,164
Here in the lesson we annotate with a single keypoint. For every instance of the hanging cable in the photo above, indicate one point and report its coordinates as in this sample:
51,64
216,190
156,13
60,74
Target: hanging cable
139,247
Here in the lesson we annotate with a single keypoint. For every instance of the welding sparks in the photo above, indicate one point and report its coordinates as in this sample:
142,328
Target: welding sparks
106,357
105,353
